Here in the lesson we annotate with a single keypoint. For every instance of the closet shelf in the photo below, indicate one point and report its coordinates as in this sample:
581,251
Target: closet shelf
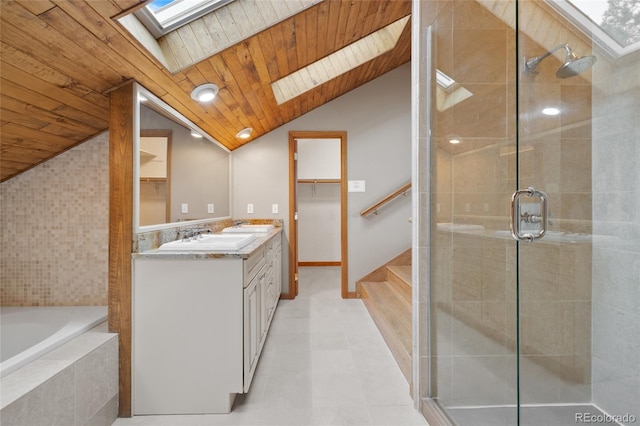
319,180
146,154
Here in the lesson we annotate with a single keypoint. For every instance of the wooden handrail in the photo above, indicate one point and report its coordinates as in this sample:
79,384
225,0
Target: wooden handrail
374,208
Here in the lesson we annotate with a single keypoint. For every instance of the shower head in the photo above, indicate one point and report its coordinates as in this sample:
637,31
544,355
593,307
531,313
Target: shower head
573,64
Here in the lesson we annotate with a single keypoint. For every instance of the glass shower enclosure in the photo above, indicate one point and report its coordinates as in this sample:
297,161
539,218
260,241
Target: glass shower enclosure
531,136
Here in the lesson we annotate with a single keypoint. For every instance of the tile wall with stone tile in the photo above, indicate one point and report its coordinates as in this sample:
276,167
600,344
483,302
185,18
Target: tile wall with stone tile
616,218
54,221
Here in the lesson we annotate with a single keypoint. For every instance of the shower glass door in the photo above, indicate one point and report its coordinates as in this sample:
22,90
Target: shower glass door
474,365
579,304
555,271
535,212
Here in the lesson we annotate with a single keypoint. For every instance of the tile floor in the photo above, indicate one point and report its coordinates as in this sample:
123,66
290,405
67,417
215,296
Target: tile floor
324,363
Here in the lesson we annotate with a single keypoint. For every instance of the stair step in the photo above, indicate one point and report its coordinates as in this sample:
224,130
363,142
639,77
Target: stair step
392,315
403,272
400,278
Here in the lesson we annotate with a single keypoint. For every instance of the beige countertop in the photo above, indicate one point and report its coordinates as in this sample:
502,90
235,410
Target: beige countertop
243,253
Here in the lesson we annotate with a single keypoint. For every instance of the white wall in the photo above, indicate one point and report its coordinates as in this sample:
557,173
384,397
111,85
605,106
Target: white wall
319,222
319,204
377,119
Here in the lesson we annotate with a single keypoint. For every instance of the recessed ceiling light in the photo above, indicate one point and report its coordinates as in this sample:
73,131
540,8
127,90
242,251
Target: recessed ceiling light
244,133
551,111
204,92
195,134
454,141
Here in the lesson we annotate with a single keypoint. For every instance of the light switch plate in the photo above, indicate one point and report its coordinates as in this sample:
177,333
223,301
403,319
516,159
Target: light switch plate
249,208
356,186
211,208
184,208
274,208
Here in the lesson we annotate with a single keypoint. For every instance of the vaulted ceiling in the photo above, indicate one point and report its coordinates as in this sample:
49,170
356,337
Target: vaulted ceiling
61,58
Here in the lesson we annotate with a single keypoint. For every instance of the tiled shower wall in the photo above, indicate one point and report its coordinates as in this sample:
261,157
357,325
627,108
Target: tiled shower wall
54,224
616,213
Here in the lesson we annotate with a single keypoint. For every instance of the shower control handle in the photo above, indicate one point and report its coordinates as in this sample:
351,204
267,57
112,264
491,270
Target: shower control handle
530,218
517,217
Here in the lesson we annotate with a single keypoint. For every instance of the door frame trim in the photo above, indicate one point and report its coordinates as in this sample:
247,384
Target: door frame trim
293,230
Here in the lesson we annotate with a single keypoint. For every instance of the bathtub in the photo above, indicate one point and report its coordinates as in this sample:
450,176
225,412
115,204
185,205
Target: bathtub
27,333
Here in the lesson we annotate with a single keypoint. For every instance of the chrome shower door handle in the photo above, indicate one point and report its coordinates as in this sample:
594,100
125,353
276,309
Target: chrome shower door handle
517,217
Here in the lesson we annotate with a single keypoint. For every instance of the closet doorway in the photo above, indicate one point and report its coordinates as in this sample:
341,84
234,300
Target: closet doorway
318,200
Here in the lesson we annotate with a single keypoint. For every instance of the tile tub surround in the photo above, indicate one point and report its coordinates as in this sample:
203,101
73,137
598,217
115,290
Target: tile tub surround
76,384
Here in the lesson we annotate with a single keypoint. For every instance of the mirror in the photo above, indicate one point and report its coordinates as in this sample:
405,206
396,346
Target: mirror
180,177
155,177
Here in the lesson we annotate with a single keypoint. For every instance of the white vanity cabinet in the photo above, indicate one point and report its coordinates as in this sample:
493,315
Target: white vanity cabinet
199,325
253,324
273,277
260,300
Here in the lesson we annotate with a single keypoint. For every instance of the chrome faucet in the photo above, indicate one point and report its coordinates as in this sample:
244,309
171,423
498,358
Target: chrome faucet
185,234
199,231
193,233
238,222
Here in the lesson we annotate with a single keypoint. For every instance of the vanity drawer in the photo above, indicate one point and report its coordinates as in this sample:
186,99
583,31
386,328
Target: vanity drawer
253,264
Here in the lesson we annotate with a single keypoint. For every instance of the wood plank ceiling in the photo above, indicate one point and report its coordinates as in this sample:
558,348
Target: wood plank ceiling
61,58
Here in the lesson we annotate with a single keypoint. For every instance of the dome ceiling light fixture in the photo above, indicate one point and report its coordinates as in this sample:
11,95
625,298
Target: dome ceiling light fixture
244,133
205,92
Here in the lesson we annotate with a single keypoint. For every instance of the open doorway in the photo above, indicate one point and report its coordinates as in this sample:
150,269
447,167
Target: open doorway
318,168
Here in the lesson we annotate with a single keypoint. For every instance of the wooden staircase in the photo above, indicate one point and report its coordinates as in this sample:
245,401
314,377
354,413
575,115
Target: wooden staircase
386,294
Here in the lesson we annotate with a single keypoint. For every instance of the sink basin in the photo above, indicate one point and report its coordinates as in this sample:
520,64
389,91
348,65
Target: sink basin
258,229
210,242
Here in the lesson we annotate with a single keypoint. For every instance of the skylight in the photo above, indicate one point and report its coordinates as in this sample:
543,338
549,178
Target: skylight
444,80
615,25
448,92
162,16
339,62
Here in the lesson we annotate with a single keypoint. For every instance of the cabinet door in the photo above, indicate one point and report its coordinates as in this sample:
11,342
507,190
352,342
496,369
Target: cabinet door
252,332
178,372
270,298
277,273
263,283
